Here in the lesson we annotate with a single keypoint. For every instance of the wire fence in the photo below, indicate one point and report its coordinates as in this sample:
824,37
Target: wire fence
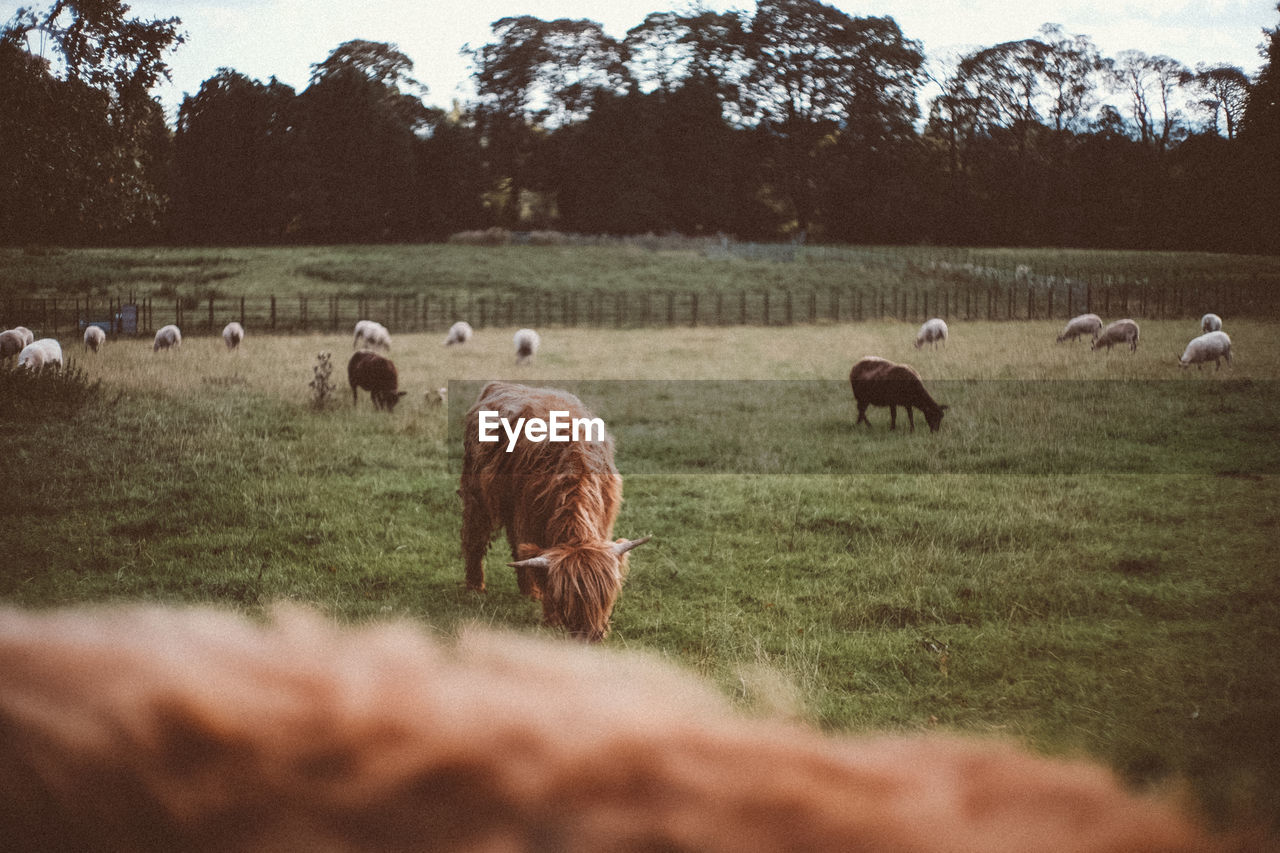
918,291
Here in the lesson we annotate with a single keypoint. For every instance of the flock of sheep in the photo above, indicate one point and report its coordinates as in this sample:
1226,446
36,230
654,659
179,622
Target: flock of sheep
879,382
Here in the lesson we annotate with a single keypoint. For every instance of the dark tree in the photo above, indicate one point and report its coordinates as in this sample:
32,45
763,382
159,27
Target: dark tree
357,133
83,145
235,161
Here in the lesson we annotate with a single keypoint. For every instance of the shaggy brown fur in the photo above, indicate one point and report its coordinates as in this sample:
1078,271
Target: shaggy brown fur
377,375
149,729
557,501
879,382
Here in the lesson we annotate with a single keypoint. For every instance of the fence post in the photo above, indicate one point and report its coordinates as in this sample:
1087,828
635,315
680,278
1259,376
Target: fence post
766,308
273,313
210,313
693,309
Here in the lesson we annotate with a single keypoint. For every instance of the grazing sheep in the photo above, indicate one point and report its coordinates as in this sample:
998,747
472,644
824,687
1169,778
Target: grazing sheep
371,335
377,375
167,337
25,333
459,333
558,502
232,334
527,342
94,337
1211,346
1119,332
879,382
1211,323
932,332
40,354
1085,324
147,728
11,343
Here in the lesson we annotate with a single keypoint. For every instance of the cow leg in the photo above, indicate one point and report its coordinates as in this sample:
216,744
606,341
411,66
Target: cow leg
911,419
862,415
893,416
476,530
353,395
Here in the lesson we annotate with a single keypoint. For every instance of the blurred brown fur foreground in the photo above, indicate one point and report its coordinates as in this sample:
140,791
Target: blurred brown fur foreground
143,728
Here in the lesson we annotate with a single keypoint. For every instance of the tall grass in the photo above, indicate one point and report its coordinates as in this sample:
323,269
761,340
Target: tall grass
1128,616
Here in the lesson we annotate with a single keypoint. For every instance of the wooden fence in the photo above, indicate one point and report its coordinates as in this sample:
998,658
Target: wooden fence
972,297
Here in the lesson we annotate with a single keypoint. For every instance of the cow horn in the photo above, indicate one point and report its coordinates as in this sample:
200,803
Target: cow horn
620,548
531,563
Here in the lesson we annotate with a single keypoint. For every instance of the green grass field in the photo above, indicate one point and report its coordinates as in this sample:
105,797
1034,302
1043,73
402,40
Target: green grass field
196,274
999,577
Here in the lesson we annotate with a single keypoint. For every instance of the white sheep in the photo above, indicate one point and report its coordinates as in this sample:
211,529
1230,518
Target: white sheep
371,335
40,354
25,333
1085,324
11,343
1119,332
931,332
1211,346
167,337
527,342
459,333
94,337
233,334
1211,323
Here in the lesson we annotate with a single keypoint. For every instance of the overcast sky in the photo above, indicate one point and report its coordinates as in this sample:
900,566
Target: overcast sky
262,38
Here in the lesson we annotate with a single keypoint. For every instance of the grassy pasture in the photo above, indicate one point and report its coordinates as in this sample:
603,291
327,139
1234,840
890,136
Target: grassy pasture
199,273
961,583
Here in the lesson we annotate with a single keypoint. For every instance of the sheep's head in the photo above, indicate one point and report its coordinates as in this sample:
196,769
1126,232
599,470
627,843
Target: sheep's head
579,583
934,418
390,398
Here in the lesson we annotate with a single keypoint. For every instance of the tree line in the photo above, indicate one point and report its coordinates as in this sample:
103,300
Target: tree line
793,120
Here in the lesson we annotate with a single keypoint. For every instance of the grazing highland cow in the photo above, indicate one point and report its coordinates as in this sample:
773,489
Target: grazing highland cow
932,332
1085,324
558,502
150,729
378,376
94,337
880,382
167,337
1119,332
1211,346
459,333
232,334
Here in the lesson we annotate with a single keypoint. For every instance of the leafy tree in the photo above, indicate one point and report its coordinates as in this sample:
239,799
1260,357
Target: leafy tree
235,161
1225,91
84,143
1150,82
357,132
